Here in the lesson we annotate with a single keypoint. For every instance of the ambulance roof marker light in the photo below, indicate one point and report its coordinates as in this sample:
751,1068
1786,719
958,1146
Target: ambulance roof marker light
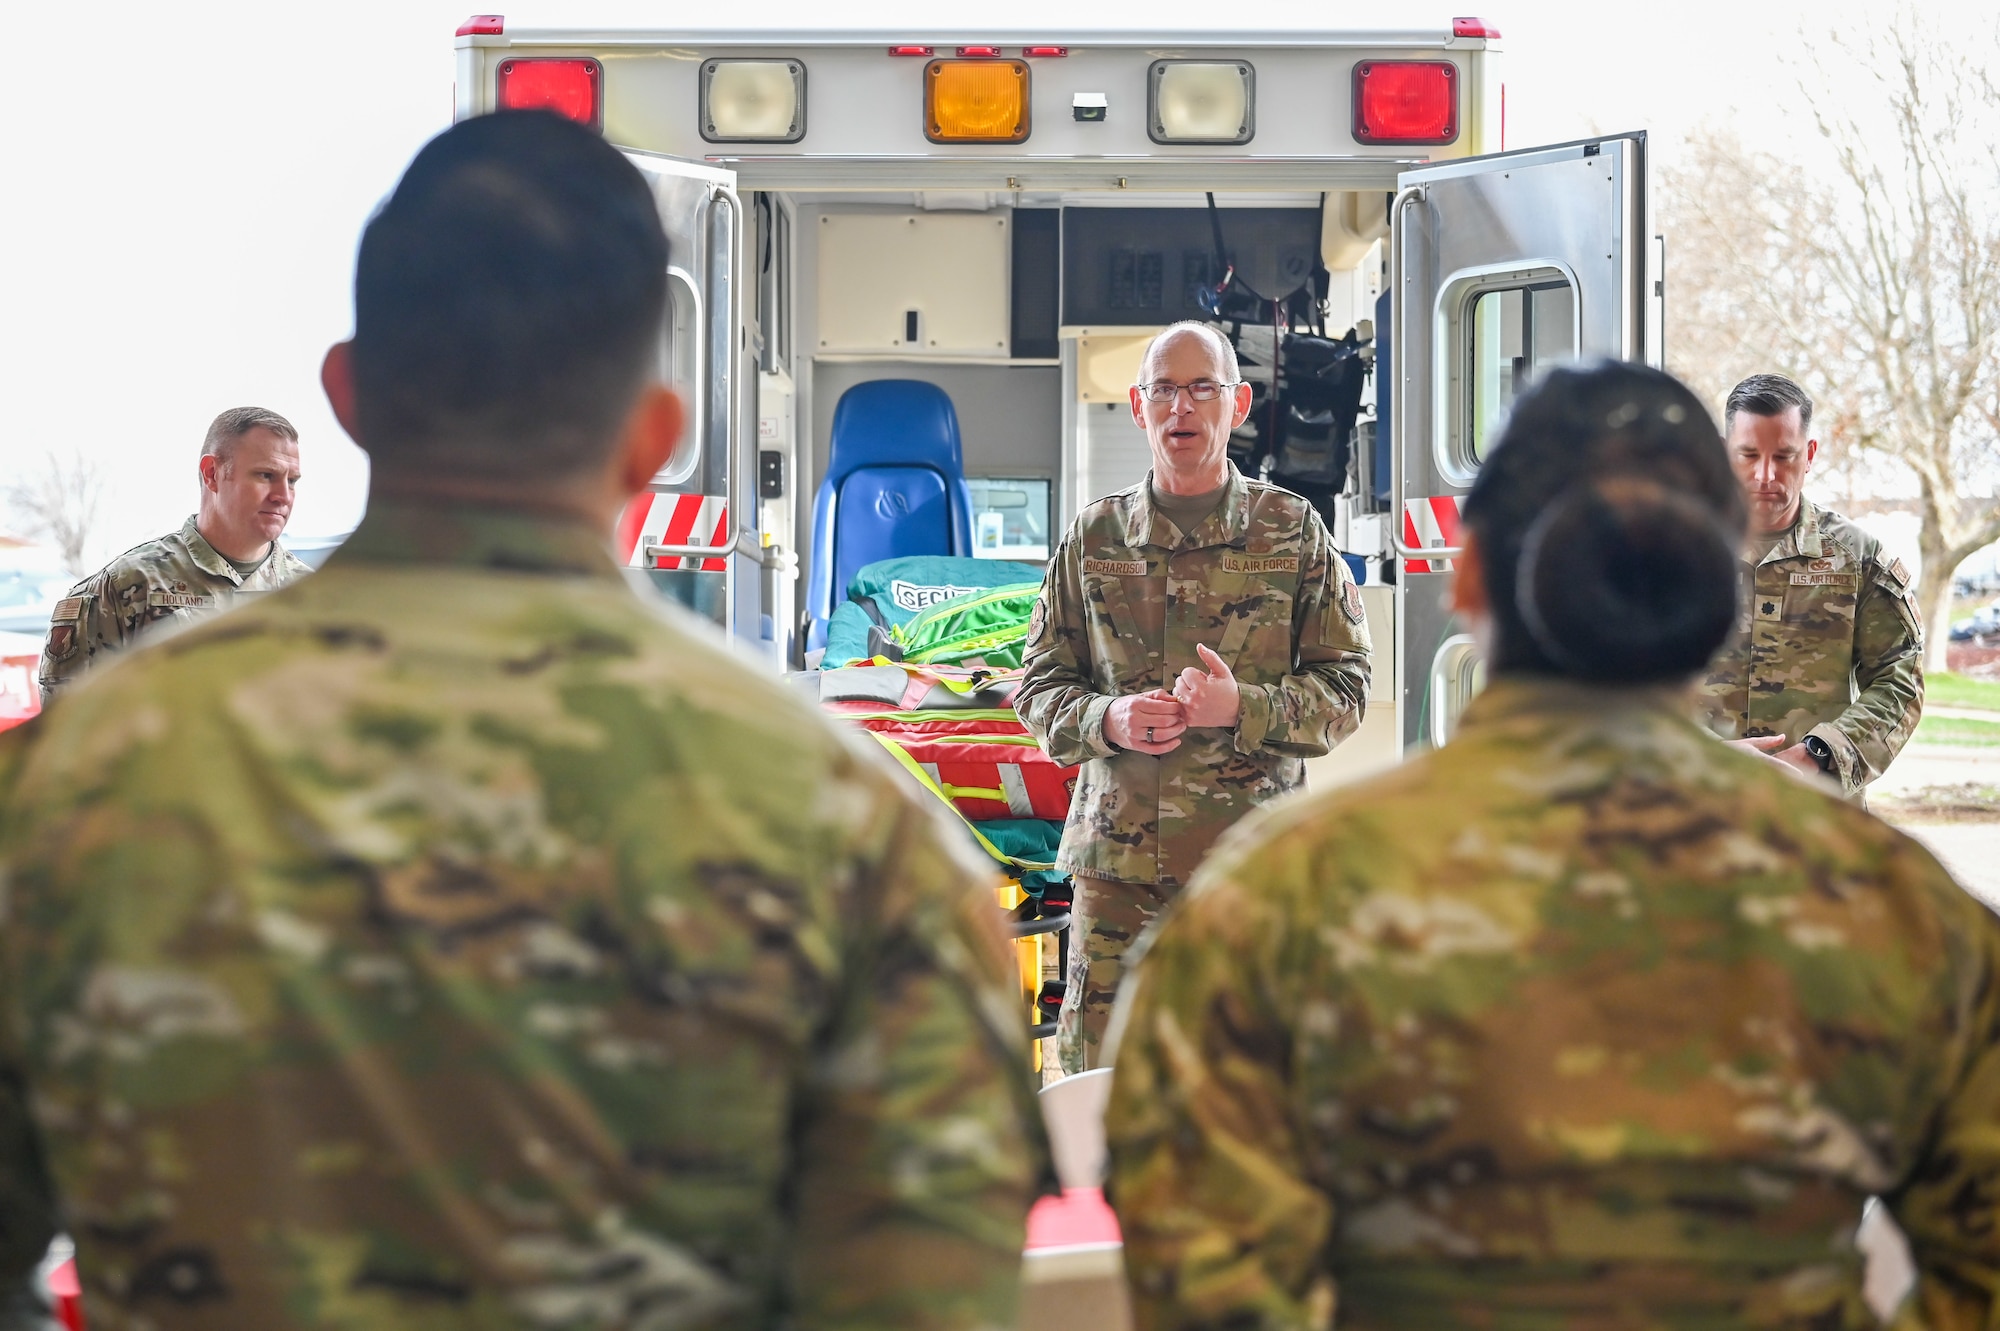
1474,27
979,52
1045,52
924,52
483,25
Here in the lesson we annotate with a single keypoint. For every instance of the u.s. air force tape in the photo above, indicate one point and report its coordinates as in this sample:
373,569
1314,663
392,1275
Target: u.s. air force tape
1260,563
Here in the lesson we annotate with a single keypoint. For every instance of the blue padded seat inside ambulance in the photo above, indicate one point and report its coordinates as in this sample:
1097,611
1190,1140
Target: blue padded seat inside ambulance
895,486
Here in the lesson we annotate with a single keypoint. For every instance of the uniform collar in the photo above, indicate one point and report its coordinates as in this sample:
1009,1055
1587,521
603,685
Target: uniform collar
1802,539
1623,719
206,557
397,531
1229,524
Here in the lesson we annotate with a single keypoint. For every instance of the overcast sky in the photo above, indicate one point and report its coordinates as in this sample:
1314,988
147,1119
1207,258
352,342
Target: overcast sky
188,183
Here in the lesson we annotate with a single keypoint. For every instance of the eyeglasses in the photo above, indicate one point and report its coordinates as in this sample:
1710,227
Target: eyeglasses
1201,390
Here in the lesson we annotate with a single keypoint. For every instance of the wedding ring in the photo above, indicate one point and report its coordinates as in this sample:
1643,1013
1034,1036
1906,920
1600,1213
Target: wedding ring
1149,736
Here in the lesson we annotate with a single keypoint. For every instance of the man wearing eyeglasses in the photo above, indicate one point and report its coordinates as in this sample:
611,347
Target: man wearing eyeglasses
1197,638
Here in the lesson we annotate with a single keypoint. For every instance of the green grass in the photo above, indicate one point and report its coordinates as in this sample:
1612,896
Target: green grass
1957,730
1958,691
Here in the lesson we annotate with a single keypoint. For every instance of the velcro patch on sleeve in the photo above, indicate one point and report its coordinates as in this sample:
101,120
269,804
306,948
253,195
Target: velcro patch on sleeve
1350,602
68,610
1898,574
1235,563
1117,568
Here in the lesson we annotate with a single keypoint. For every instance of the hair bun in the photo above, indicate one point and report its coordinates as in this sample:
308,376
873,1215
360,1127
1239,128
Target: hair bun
1624,581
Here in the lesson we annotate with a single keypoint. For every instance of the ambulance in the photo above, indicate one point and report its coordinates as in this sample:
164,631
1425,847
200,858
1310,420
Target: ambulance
1008,216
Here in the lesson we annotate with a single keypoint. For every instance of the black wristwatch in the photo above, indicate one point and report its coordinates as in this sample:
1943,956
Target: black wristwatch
1820,751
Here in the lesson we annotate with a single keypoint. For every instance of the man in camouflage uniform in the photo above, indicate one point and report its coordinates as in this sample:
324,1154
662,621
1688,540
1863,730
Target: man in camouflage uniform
249,475
1826,671
454,941
1197,638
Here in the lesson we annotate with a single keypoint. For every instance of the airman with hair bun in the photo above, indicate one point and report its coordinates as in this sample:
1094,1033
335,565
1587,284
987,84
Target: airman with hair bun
1582,1022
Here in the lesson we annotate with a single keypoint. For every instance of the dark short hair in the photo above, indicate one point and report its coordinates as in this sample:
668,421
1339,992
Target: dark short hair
1767,395
508,301
232,425
1609,522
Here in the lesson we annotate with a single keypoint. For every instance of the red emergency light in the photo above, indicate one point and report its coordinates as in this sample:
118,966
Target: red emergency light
925,52
1405,101
483,25
1049,52
568,86
1474,27
979,52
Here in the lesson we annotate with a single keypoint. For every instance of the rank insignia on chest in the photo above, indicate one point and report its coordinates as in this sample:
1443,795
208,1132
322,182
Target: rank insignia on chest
177,600
1770,607
1117,568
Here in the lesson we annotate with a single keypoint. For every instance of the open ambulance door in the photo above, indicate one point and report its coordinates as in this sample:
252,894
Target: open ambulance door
693,535
1499,267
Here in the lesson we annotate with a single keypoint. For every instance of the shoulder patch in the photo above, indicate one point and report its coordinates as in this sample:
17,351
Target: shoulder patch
1897,573
1350,602
1117,568
68,610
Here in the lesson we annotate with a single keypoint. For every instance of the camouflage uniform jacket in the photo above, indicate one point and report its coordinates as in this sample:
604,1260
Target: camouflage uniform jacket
179,577
1583,1022
1829,644
1126,599
455,942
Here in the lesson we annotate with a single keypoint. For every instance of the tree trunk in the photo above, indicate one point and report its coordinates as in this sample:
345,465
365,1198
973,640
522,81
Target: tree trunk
1934,594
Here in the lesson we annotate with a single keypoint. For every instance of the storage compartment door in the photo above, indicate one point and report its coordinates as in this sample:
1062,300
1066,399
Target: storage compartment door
1500,267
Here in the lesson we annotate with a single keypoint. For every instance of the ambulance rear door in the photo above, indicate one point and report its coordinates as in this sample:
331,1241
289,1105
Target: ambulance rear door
693,534
1499,267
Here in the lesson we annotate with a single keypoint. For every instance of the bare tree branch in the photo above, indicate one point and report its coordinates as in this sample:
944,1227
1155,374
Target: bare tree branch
1877,283
56,500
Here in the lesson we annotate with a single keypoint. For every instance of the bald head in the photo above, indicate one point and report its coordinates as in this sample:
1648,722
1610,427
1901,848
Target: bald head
1226,369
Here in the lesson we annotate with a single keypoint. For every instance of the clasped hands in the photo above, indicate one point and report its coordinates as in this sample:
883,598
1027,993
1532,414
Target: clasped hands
1773,747
1154,721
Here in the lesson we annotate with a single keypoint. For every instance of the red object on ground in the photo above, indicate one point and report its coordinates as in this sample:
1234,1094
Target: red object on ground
68,1294
1080,1216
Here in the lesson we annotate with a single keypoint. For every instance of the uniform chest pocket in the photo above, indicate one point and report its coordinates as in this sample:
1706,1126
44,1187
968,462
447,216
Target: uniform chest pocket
1124,630
1820,603
1248,619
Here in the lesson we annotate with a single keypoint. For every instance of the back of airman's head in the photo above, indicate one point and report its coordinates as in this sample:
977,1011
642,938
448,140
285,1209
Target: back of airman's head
1608,523
508,302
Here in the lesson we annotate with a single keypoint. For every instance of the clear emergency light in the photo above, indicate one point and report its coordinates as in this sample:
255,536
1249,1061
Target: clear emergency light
1405,101
753,101
1201,101
976,101
572,87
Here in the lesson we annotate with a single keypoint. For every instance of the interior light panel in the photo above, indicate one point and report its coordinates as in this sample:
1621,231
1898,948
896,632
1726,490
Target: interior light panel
1202,101
753,101
976,101
570,87
1405,101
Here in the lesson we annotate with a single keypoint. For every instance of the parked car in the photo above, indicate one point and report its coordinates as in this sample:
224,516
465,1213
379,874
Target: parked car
1983,624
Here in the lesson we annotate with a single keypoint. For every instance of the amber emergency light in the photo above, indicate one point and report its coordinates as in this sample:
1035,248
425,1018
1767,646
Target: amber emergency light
976,101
